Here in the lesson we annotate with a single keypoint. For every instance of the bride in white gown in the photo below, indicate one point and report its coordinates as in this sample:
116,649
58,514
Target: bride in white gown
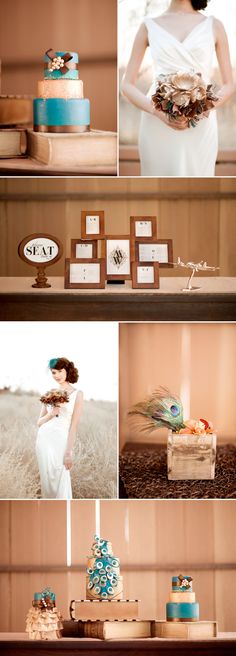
57,433
181,39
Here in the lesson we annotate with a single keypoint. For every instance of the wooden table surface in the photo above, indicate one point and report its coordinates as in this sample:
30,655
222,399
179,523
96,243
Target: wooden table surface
14,644
215,301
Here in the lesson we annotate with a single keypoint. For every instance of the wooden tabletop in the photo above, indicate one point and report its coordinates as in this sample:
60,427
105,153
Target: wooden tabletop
214,301
14,644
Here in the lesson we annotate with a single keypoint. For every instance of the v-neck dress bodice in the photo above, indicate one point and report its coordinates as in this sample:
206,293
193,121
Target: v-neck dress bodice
164,151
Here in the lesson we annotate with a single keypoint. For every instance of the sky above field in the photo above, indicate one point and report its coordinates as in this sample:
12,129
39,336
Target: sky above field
26,348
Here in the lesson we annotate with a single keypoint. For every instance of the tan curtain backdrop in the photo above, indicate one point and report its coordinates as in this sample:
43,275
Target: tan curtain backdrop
195,361
199,215
153,539
28,29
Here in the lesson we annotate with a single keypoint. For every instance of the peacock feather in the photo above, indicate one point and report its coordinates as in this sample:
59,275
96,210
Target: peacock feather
160,409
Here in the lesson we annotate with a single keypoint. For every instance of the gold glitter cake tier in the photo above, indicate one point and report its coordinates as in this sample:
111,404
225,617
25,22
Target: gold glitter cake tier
177,597
60,89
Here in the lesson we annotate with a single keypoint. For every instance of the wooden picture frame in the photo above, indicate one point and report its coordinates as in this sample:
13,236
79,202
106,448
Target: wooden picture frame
97,228
35,249
123,269
137,228
93,272
89,245
157,248
152,283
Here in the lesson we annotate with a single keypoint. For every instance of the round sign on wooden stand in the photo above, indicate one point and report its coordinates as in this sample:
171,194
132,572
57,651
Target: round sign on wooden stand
40,250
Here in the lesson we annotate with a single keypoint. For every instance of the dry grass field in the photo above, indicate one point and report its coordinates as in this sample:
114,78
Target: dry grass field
94,472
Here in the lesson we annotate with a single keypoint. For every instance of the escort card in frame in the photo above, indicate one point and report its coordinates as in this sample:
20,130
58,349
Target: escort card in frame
84,274
83,249
143,227
161,250
40,250
92,224
145,275
117,254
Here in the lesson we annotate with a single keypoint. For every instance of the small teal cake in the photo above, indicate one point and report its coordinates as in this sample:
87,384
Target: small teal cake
182,606
60,106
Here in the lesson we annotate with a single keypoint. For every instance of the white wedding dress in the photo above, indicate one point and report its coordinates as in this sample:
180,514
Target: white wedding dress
190,152
50,449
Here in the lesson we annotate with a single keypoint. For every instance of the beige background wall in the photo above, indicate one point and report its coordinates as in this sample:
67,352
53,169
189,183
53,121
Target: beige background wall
28,28
33,537
198,360
199,215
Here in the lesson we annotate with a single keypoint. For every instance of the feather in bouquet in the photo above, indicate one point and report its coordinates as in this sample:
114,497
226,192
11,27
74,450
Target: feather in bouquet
54,398
162,409
184,95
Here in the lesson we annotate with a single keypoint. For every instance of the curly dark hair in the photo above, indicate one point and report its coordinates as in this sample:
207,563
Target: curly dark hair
72,373
199,4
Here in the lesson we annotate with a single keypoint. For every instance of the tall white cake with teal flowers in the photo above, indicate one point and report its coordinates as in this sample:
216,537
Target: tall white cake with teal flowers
103,580
104,589
60,105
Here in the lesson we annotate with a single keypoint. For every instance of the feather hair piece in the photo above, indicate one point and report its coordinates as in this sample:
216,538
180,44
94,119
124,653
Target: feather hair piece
160,409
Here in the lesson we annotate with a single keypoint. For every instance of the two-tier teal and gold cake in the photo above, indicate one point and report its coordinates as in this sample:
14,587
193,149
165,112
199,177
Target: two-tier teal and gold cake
182,606
61,106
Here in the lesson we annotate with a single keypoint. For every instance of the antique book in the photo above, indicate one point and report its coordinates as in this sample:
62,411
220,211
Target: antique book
184,630
16,110
109,630
12,142
123,609
94,148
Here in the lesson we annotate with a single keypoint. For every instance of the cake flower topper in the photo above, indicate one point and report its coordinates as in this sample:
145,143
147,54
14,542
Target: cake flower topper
57,62
162,409
185,583
194,267
48,598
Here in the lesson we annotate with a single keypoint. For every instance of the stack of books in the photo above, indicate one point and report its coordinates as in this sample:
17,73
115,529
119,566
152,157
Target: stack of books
15,118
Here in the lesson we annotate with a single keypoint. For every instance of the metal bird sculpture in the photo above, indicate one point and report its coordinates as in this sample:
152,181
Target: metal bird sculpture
160,409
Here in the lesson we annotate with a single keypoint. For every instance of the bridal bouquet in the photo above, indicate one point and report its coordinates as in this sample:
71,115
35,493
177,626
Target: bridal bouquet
54,397
184,94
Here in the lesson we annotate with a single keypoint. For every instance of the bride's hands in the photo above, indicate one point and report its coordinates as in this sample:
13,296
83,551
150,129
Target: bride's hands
68,460
180,123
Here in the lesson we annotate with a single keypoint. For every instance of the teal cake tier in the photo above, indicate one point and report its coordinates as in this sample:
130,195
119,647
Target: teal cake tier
70,72
184,585
182,612
60,115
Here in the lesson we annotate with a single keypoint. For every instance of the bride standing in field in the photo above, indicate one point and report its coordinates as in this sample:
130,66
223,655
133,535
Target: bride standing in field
58,426
181,40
